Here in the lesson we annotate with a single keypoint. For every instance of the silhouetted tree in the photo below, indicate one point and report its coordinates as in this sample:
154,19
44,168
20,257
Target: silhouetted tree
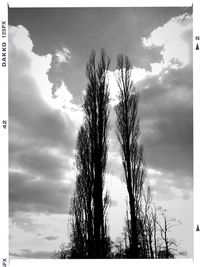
90,202
154,220
120,248
147,224
82,236
63,252
132,153
163,254
168,247
96,116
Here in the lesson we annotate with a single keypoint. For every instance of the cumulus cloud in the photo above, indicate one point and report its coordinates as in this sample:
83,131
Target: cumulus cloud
59,60
20,38
62,56
30,94
175,42
42,134
171,37
64,99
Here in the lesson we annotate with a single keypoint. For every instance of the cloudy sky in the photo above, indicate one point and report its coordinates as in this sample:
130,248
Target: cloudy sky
48,51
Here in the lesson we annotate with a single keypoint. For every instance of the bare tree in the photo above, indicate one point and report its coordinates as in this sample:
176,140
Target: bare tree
168,247
154,220
82,236
96,116
63,252
89,203
147,220
132,153
84,185
119,247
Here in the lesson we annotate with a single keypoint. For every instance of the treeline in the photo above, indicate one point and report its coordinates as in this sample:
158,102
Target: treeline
146,231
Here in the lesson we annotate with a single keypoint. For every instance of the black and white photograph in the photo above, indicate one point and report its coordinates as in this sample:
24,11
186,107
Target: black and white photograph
100,136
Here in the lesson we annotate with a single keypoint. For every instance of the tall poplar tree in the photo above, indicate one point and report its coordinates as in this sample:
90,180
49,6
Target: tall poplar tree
90,201
132,153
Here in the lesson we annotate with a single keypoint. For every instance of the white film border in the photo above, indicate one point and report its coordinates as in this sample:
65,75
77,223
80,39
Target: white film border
4,230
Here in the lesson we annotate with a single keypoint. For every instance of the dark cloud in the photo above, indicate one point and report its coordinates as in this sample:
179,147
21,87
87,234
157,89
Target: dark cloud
166,112
50,237
41,138
39,161
28,193
29,254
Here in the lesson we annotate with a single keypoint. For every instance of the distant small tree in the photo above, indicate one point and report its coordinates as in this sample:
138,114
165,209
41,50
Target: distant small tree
154,217
147,220
163,254
63,252
168,246
119,247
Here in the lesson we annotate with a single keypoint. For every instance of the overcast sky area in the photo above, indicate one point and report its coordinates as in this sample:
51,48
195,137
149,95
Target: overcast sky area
48,52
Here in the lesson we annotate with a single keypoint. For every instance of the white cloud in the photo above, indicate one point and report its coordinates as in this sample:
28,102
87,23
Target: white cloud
175,38
63,94
20,38
62,55
151,171
27,62
171,37
63,100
